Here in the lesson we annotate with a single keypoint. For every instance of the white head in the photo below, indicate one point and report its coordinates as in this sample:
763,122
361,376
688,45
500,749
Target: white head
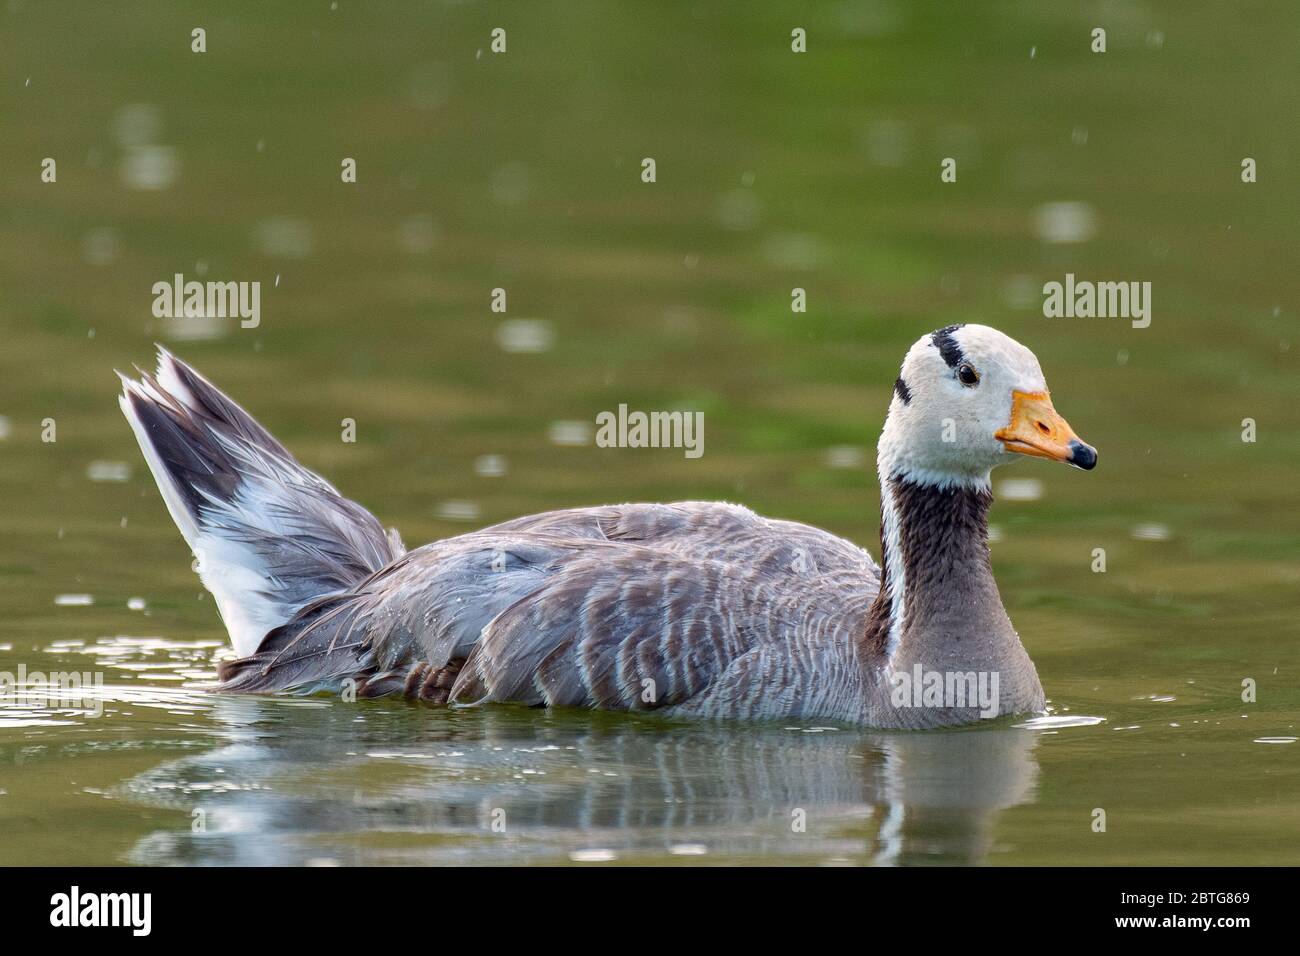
967,399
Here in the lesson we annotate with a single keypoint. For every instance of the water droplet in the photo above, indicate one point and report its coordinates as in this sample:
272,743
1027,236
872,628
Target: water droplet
108,471
428,85
1062,222
592,856
417,234
845,456
490,466
795,250
150,168
570,433
1021,292
458,511
1020,489
887,143
136,125
738,210
525,335
511,184
100,247
1150,532
284,237
688,849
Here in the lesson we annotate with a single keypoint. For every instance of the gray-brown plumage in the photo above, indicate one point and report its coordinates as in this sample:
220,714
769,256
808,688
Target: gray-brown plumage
695,608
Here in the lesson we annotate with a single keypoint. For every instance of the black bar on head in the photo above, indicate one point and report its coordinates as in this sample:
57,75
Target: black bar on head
948,348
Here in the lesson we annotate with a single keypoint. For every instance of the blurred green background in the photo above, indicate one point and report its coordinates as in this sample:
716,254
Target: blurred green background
775,170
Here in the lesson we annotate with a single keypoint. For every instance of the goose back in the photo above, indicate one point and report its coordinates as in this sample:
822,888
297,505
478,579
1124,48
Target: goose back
702,607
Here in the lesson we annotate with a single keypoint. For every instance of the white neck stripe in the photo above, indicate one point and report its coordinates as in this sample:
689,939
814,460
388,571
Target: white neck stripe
892,559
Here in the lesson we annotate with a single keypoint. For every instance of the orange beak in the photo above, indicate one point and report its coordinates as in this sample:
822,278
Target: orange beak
1037,430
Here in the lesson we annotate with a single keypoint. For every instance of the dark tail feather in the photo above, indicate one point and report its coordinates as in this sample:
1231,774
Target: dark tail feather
270,536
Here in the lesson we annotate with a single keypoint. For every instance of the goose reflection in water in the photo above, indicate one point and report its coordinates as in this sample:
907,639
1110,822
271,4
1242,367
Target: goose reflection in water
302,781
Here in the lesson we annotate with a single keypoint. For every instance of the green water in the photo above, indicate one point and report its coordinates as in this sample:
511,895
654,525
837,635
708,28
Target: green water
774,171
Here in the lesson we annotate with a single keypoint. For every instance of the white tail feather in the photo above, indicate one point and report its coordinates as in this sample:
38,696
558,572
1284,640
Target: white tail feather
268,535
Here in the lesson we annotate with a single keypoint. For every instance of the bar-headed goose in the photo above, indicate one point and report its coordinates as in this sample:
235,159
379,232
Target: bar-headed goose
696,608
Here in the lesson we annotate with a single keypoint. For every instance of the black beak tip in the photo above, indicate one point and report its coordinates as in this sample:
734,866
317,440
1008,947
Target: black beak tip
1083,456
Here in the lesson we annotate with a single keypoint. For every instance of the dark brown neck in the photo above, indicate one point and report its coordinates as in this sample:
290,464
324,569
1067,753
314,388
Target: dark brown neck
939,549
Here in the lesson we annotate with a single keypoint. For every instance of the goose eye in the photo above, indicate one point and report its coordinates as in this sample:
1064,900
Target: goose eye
967,374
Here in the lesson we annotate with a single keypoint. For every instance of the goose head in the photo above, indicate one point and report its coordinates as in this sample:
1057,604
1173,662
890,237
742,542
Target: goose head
969,398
